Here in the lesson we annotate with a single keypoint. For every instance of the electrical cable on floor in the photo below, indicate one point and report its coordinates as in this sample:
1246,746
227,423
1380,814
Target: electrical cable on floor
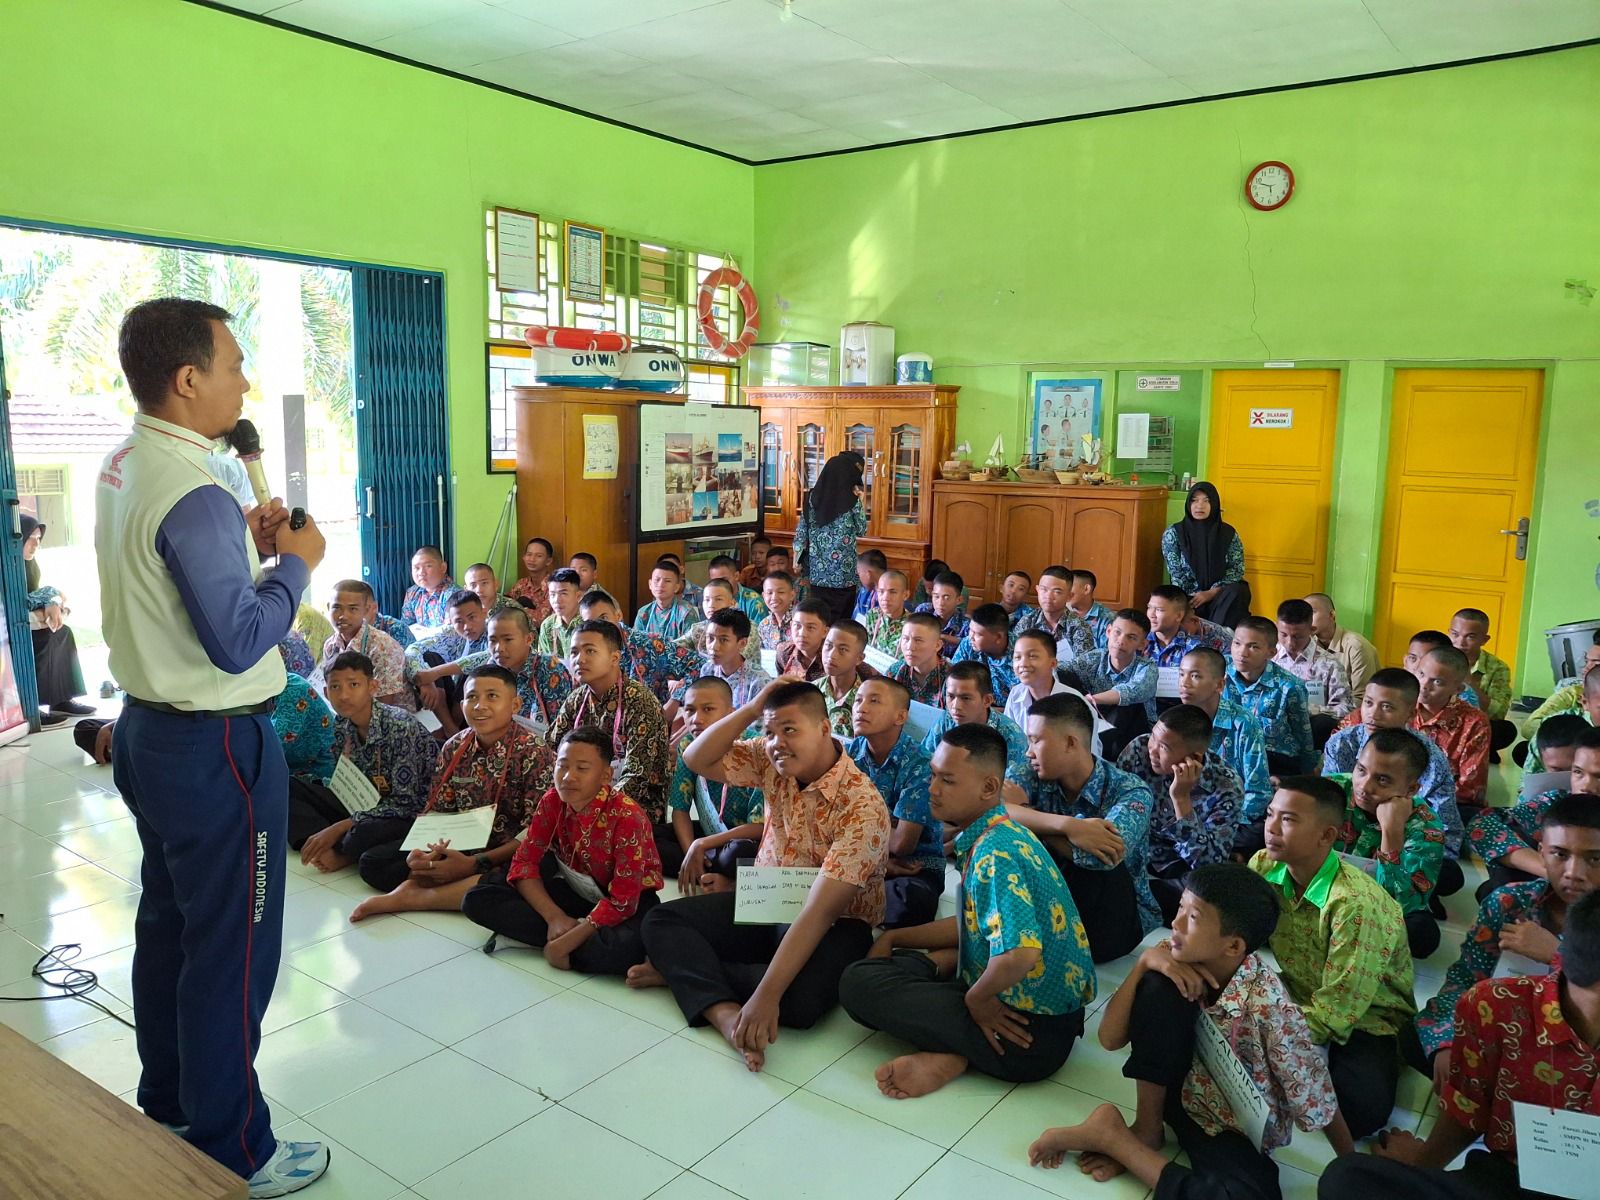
54,969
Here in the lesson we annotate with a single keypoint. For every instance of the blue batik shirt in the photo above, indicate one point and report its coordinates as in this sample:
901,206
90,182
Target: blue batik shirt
1072,634
955,627
827,553
1000,673
902,781
304,725
1237,739
1125,801
1437,788
1098,619
1278,701
398,757
670,622
448,645
398,629
1135,683
1206,834
1018,769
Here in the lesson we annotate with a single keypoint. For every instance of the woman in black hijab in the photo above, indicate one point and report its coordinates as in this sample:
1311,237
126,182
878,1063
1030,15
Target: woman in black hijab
55,653
1206,559
825,536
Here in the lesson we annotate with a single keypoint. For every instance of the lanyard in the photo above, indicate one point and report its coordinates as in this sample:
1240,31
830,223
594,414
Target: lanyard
443,777
377,755
616,728
533,682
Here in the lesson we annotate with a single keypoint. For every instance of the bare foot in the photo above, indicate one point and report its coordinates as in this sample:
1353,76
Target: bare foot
331,860
389,902
725,1018
644,975
913,1075
1051,1147
1101,1168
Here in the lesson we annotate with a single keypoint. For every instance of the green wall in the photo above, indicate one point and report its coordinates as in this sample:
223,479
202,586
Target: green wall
1436,217
158,117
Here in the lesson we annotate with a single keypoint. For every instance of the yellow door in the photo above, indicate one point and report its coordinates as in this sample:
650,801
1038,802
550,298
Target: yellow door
1462,451
1271,458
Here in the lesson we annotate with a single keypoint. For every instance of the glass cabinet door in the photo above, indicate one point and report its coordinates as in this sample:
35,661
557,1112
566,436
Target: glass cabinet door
811,438
862,438
772,469
906,501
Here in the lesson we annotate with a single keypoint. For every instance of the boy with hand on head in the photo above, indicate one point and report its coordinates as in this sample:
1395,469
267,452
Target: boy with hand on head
778,593
1000,988
969,700
430,589
1198,799
666,614
1270,694
843,673
1016,591
946,604
1095,821
587,566
1456,727
392,752
1524,919
493,762
1507,839
756,569
1341,948
1235,734
347,610
1167,643
1209,970
1073,635
1527,1040
1354,653
697,809
1300,654
726,567
586,870
988,641
801,656
820,811
1081,601
1119,680
887,619
892,758
870,566
922,667
555,634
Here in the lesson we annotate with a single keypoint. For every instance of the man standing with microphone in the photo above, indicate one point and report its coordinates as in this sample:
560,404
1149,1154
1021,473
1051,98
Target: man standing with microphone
192,621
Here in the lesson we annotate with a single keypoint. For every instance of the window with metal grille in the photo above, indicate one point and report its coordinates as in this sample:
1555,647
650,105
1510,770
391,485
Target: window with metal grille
651,293
41,481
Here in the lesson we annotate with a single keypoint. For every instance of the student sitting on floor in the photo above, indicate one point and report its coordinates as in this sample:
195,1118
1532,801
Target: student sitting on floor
1271,695
388,748
1119,680
466,632
1507,839
1016,592
1202,632
1390,824
1209,970
587,567
891,757
755,570
1522,919
886,621
748,601
1235,734
1328,696
555,634
808,630
493,762
1003,985
945,603
1072,634
1456,727
1166,643
666,614
1083,605
922,667
698,809
843,673
717,595
1489,676
1528,1040
538,556
1095,821
347,610
304,727
778,591
1197,799
424,600
543,682
1340,946
726,639
988,641
1354,653
820,811
870,566
1581,698
585,873
781,558
1033,662
969,700
1421,644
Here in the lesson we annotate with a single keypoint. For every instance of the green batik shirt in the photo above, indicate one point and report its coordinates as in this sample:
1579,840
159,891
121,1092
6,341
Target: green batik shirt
1012,896
1412,878
1492,680
1341,949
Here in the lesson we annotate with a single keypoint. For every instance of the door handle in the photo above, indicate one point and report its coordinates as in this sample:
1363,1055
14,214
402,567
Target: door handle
1521,534
370,506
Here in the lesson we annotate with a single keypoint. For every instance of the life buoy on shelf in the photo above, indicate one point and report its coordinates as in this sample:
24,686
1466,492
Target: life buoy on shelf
567,337
752,313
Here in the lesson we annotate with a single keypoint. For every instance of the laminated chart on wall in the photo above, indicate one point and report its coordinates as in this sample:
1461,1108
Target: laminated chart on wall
698,469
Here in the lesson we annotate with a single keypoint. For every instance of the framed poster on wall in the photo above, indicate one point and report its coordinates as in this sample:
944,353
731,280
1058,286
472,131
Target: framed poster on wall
698,469
1064,411
585,260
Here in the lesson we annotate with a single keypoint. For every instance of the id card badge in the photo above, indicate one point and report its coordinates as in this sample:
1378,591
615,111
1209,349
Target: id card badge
535,724
1317,696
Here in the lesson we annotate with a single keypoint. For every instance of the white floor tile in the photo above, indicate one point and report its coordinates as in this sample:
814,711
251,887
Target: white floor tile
459,997
643,1100
942,1118
34,898
654,1005
562,1044
559,1155
349,1177
17,955
99,928
109,838
799,1055
526,958
957,1178
372,954
28,779
105,1051
297,996
1296,1185
393,1123
315,1061
113,971
1096,1071
312,916
1002,1138
455,927
82,806
807,1146
690,1186
41,1020
24,853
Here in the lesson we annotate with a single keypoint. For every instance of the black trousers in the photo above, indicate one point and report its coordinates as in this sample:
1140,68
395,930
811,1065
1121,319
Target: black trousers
1323,726
903,996
1249,837
1484,1176
1422,933
1366,1074
707,959
1168,892
912,899
496,904
312,808
1106,906
378,856
1412,1053
86,730
1279,765
1222,1166
55,666
841,601
1229,606
1499,876
1501,734
1451,878
1127,721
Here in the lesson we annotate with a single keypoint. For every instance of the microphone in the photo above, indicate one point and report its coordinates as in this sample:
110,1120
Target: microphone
246,443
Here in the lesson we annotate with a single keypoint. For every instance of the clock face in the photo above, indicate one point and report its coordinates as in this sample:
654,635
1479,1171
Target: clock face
1269,186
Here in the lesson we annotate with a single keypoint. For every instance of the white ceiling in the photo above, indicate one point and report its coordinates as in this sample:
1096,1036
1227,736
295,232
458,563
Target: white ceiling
749,79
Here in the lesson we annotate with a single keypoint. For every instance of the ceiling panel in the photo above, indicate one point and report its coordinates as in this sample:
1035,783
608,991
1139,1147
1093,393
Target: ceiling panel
760,79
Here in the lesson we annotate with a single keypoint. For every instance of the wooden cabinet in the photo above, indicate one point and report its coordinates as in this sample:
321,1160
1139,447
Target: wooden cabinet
984,530
903,433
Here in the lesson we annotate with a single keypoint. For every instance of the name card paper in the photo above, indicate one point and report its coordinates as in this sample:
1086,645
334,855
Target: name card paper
922,719
1369,865
1556,1150
1249,1105
771,895
354,790
769,662
465,831
1511,964
879,661
1167,683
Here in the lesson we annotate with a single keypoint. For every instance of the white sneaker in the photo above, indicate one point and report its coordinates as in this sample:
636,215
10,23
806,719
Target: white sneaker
293,1165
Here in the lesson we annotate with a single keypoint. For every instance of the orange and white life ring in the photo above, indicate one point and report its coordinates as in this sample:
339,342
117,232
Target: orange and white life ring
567,337
739,347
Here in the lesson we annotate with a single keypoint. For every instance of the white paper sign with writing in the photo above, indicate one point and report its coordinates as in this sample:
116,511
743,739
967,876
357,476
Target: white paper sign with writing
1133,435
1166,683
879,661
535,724
1157,383
1369,865
355,790
464,831
771,895
769,662
1556,1150
1249,1105
428,721
1511,964
1272,418
1316,695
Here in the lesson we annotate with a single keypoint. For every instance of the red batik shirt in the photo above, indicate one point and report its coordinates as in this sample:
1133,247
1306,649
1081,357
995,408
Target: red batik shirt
1512,1043
611,841
1462,732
